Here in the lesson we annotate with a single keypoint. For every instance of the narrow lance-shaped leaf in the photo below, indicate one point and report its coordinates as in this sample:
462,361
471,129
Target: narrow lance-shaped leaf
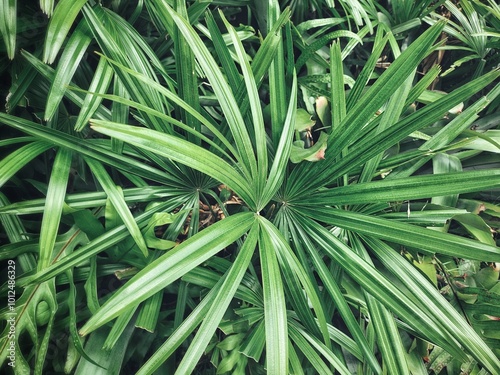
341,304
415,187
171,266
382,289
100,83
116,198
255,108
187,80
430,298
67,66
220,303
426,240
181,333
8,25
12,162
278,168
94,247
275,314
224,94
60,24
181,151
277,89
82,146
388,337
54,203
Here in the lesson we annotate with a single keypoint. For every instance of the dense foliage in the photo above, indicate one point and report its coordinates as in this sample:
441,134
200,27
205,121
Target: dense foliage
250,187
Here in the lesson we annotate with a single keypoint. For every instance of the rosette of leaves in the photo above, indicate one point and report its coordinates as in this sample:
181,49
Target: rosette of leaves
188,240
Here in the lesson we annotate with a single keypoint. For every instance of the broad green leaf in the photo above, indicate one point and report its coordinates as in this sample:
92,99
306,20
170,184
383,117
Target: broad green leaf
314,153
54,206
181,151
60,24
158,219
476,227
171,266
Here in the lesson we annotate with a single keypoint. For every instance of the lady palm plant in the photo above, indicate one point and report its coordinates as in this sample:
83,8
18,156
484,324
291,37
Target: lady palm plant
214,203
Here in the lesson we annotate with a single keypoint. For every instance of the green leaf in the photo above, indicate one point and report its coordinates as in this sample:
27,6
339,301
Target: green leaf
60,24
181,333
313,154
224,95
170,267
116,197
220,303
476,226
67,66
19,158
8,25
278,168
426,240
429,298
275,314
181,151
255,108
92,248
100,83
54,206
158,219
400,189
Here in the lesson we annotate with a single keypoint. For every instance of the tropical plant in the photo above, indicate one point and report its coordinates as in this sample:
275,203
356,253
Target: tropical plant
183,193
